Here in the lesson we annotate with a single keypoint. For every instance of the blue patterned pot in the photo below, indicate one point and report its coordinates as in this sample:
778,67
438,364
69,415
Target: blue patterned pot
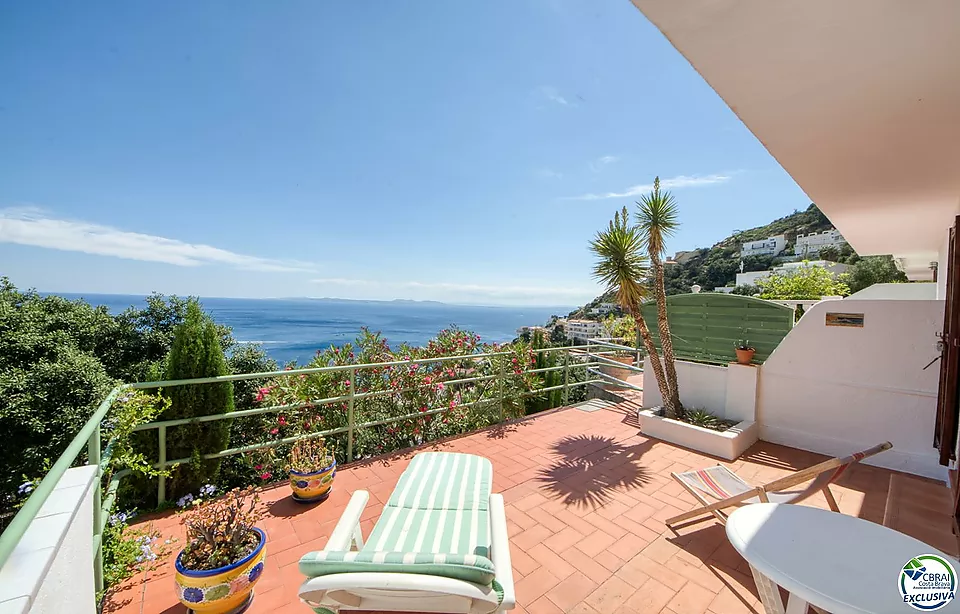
314,486
225,590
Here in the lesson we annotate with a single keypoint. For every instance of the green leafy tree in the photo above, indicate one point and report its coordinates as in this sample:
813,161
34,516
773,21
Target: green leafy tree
621,265
830,253
871,270
808,282
746,290
657,219
50,381
196,352
558,335
621,327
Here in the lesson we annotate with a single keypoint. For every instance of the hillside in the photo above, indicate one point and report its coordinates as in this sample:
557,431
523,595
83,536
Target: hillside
718,265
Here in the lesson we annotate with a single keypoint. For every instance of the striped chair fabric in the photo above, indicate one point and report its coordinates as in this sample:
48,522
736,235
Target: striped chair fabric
436,522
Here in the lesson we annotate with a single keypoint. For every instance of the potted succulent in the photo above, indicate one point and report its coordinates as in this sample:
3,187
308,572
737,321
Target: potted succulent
312,469
224,555
745,352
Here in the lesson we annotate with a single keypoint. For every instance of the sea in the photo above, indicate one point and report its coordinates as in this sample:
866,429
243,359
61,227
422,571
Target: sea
294,329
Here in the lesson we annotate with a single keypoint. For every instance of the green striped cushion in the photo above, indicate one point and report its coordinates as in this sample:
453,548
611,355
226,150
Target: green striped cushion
468,567
435,522
444,481
431,531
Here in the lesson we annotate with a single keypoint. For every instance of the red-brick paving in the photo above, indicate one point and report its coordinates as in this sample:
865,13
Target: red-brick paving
586,498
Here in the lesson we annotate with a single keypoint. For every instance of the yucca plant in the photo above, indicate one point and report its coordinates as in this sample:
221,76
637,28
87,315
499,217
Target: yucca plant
656,220
622,267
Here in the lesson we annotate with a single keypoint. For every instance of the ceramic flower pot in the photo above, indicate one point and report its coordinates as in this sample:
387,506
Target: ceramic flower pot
620,374
313,487
225,590
745,356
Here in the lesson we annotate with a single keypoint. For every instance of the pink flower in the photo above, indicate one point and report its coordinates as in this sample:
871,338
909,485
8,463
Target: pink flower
266,475
274,431
306,425
440,386
514,361
258,467
346,382
282,421
427,380
453,404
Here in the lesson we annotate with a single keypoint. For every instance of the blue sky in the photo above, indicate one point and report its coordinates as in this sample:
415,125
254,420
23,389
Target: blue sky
428,150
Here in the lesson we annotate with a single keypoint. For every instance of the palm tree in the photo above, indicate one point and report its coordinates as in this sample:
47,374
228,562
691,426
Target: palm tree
657,220
622,267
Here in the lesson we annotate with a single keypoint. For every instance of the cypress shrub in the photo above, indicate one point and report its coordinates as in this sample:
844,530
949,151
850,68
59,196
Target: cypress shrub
196,352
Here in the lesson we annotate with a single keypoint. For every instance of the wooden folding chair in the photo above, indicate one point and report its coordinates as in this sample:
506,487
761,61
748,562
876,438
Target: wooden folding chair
727,489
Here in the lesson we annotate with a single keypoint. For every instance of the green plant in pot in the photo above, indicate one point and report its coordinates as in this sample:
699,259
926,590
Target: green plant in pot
224,555
312,468
745,351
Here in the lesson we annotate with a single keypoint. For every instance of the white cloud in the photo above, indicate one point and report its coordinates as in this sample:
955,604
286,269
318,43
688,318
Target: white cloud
553,95
32,226
681,181
546,173
467,291
602,161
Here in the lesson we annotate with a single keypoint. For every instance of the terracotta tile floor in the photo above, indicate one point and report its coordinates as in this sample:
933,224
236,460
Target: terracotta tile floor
586,498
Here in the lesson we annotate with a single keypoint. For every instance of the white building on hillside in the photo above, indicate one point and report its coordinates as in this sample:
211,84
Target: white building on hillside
749,279
811,244
529,330
583,329
771,246
603,309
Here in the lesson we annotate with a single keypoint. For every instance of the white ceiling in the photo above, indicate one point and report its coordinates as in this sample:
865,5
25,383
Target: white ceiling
859,100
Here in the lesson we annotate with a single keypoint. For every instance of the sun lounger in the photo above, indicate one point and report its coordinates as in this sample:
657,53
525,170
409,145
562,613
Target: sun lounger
717,488
440,545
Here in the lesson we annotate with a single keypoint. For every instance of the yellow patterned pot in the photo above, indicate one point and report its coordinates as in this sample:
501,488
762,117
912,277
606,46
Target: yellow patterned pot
225,590
313,487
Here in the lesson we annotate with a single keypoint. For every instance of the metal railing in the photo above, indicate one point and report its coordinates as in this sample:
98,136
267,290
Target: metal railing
89,436
607,347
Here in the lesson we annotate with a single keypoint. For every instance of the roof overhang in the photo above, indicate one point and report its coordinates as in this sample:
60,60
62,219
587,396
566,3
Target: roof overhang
858,100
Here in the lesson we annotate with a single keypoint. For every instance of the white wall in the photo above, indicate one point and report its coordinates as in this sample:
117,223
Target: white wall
837,390
918,291
701,386
750,278
51,570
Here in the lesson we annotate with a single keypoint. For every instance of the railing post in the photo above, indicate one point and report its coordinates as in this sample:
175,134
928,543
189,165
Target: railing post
500,378
162,480
93,457
566,378
351,421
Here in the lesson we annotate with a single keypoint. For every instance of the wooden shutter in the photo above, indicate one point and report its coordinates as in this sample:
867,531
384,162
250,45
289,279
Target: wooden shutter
948,407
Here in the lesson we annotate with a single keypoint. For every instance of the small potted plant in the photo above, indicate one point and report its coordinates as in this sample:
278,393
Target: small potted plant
224,555
312,469
745,352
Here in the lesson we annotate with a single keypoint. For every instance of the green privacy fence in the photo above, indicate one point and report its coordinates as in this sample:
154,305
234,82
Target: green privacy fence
707,326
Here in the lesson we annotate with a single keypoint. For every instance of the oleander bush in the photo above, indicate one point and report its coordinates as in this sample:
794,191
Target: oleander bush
417,401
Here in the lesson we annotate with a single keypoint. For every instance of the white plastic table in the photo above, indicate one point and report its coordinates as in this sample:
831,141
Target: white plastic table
836,562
